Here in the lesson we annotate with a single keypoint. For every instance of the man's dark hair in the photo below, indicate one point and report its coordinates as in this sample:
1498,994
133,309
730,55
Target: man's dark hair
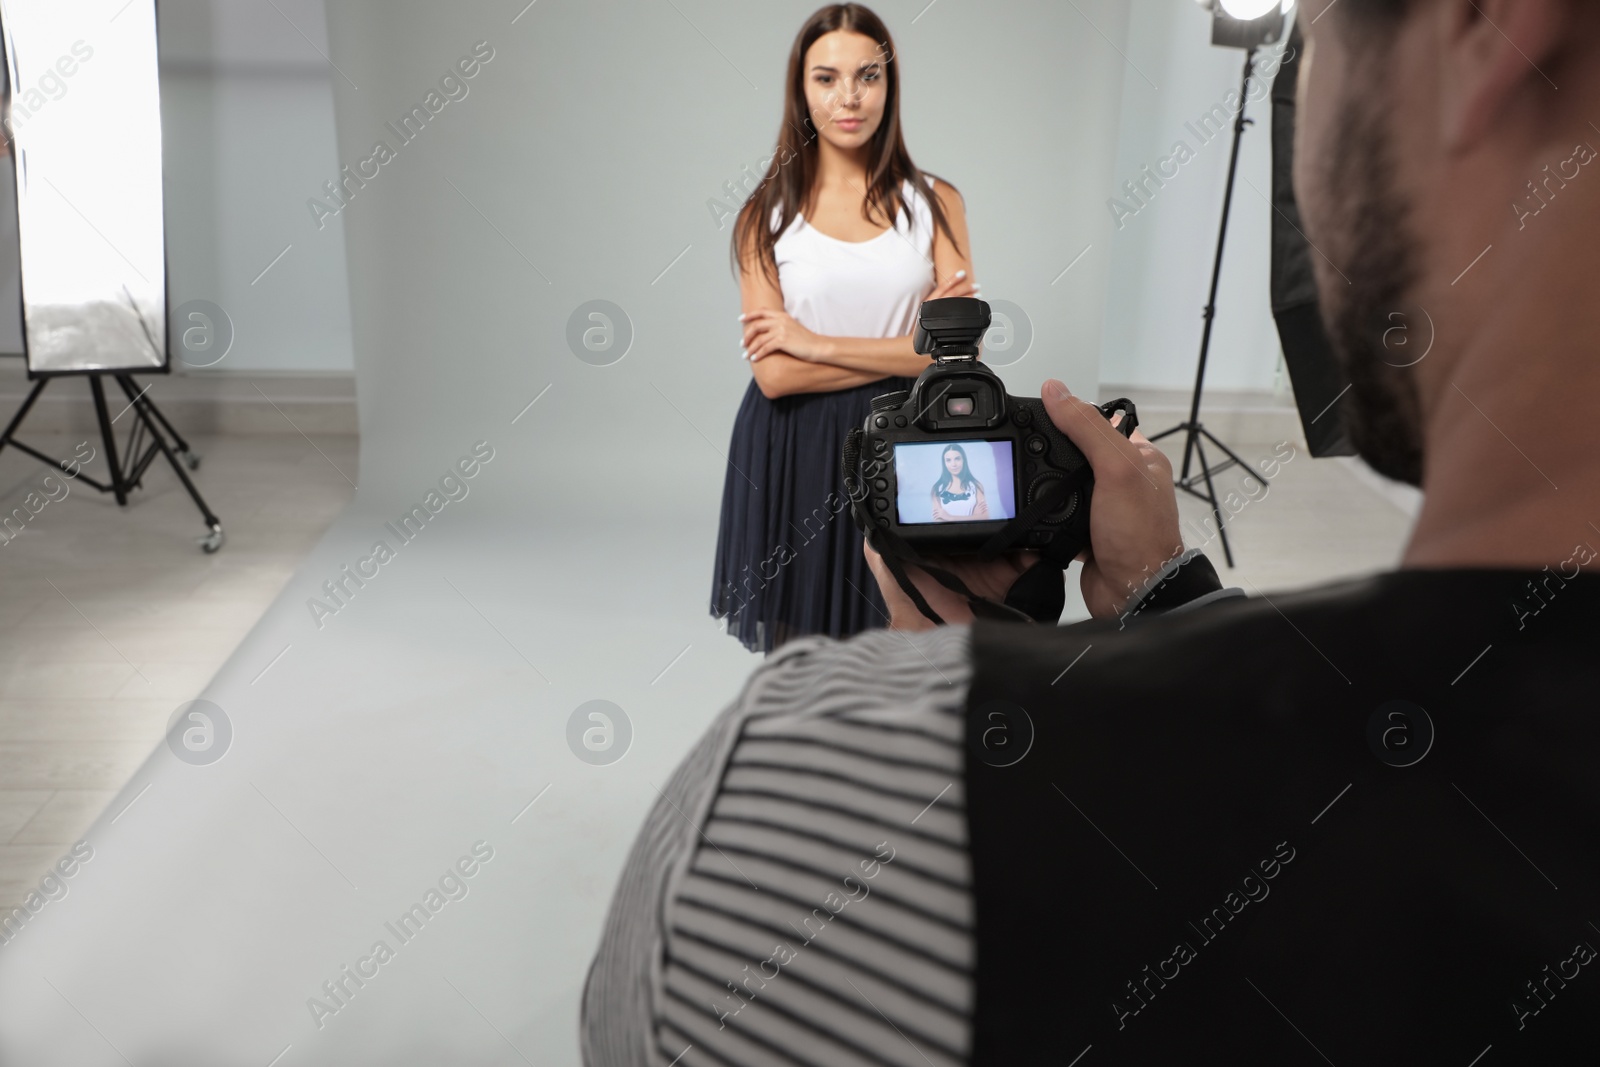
1377,13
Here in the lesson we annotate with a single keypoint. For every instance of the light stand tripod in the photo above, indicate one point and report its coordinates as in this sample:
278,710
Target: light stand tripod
127,473
1193,429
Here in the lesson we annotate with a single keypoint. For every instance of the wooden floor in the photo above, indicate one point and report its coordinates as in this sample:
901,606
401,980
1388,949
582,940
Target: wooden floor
110,618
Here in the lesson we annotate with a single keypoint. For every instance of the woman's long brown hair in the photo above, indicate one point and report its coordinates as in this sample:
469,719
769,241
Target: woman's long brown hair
788,182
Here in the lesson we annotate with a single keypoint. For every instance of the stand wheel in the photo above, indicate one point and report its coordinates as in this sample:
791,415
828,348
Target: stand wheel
213,540
192,461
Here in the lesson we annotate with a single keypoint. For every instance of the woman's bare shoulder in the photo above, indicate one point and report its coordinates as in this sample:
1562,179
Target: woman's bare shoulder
949,196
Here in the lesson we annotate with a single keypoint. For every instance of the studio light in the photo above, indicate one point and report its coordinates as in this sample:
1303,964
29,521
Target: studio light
1246,24
1248,9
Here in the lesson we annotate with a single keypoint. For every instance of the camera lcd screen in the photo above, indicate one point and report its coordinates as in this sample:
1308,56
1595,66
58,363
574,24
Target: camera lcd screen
954,481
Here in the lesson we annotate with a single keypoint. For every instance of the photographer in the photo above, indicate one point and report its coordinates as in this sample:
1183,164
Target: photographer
1356,824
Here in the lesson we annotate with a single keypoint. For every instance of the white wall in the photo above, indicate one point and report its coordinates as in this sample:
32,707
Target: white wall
579,168
1161,258
247,111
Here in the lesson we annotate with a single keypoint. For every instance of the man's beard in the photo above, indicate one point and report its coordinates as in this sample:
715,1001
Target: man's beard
1367,230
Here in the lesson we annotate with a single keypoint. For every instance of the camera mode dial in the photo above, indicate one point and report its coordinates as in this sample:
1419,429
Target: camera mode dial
1063,510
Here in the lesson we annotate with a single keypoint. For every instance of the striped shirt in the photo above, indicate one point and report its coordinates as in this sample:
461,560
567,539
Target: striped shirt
800,893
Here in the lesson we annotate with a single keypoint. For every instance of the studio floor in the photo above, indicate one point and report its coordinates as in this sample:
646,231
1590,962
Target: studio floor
111,618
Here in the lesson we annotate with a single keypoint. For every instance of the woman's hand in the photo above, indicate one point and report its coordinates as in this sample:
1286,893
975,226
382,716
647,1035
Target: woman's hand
981,509
958,284
990,581
769,330
939,513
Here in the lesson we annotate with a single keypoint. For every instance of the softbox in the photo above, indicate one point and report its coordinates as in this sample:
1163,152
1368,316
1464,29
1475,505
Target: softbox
83,114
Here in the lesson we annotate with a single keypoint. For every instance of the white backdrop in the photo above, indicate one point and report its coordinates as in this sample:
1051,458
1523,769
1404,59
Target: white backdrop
247,107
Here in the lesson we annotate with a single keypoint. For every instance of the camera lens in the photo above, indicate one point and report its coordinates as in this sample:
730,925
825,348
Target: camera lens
958,405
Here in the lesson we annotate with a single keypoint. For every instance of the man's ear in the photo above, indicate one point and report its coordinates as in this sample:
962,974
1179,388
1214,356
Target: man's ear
1492,52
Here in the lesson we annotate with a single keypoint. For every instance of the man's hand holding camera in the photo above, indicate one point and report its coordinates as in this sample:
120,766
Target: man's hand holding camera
1133,526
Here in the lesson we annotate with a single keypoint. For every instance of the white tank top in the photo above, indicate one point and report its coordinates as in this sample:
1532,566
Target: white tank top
858,288
961,506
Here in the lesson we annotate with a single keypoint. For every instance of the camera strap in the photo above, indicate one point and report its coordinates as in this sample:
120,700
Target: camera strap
1039,594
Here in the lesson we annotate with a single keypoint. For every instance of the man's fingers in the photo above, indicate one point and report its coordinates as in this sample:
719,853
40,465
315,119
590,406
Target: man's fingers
1157,461
1101,444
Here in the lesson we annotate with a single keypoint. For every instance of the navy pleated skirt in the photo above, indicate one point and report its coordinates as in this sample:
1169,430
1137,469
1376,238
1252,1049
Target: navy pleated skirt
789,559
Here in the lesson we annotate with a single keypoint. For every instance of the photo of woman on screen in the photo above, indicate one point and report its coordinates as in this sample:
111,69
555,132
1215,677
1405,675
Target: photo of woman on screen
957,495
835,250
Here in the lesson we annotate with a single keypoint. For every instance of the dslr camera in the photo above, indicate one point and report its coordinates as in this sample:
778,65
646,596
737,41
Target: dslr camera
950,463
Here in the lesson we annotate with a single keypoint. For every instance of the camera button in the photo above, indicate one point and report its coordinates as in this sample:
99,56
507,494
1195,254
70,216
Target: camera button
881,422
881,485
1037,445
885,401
1022,416
883,521
882,504
1064,509
900,420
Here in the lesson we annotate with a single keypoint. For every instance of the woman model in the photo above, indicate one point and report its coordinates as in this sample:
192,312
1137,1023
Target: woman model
835,251
957,495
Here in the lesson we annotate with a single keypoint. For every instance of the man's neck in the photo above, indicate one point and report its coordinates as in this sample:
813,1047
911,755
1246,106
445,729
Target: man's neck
1512,474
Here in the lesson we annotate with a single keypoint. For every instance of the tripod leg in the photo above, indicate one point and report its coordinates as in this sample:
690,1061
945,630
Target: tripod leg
1216,510
141,409
1191,442
1230,453
182,446
118,486
22,412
